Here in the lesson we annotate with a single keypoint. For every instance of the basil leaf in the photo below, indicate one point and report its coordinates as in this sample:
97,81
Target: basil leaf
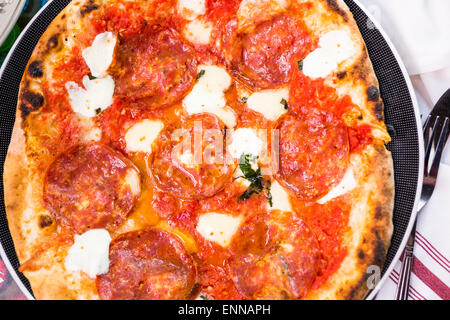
300,65
98,111
254,188
268,194
257,183
246,167
284,103
91,77
200,74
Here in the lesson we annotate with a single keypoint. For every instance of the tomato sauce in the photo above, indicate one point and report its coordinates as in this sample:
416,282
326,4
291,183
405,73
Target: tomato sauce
359,137
71,68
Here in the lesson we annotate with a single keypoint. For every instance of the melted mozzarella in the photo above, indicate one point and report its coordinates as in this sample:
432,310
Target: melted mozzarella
347,184
208,95
133,180
198,31
280,198
245,141
334,48
269,102
218,227
140,137
99,55
214,79
90,253
191,9
96,97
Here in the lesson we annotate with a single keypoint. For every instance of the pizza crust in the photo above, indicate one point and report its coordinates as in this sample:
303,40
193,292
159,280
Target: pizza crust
15,185
370,240
22,181
367,244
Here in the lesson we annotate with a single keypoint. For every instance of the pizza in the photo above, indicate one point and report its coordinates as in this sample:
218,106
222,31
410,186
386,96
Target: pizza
200,149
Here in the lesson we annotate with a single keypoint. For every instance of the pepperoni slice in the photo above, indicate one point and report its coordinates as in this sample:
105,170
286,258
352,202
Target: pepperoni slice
148,264
91,186
313,153
189,161
155,67
276,257
266,57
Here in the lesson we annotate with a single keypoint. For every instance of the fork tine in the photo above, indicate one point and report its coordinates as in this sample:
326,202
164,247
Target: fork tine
426,131
440,148
433,124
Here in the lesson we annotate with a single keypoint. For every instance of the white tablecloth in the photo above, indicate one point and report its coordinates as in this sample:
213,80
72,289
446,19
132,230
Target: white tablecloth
420,30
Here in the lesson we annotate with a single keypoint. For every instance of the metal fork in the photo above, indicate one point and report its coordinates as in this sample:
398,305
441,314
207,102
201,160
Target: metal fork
436,131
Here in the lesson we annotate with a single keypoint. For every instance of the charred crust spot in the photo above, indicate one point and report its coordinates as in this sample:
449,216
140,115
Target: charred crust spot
341,75
333,5
52,42
358,291
25,111
359,67
379,252
373,94
378,212
45,221
63,16
36,100
35,69
361,254
88,7
286,295
30,102
378,110
378,107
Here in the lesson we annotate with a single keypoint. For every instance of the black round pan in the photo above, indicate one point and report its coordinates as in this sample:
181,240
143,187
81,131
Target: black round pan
402,118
